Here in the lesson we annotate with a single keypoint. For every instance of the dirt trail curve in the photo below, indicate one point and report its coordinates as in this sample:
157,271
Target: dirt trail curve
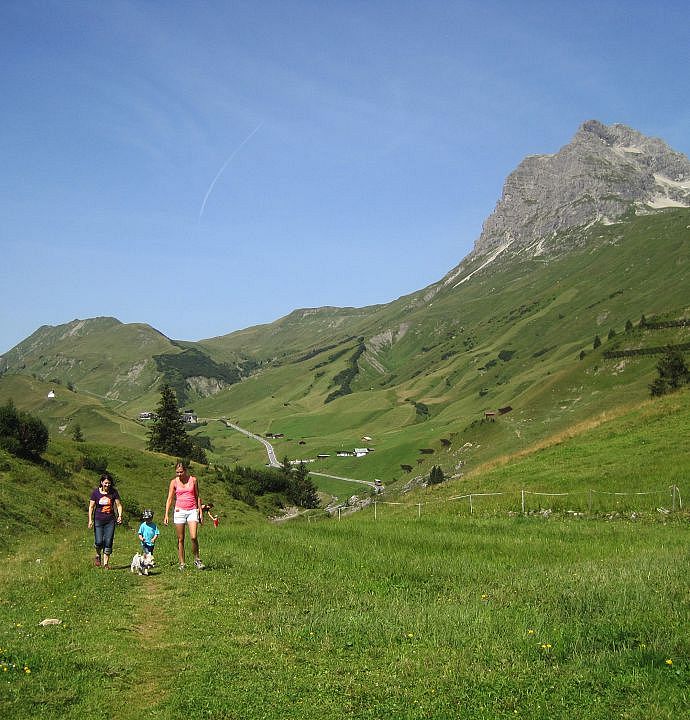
273,462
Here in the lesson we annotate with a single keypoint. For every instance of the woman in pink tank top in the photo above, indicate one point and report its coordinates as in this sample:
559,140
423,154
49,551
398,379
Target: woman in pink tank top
184,491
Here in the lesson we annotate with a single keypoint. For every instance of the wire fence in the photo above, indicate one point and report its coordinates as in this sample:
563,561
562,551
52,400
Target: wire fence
524,502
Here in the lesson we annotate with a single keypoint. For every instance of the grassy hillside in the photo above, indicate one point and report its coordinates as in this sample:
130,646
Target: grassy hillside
103,357
52,495
440,615
420,372
68,408
512,336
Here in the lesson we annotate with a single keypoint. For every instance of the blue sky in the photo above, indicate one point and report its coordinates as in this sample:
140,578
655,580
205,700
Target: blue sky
208,166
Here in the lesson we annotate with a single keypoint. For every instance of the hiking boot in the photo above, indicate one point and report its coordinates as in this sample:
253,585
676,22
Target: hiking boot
198,564
97,561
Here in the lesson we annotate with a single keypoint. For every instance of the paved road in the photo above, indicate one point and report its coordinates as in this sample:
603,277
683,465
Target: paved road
273,462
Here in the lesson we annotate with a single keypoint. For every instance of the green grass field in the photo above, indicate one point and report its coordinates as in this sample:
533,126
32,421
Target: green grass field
438,618
422,610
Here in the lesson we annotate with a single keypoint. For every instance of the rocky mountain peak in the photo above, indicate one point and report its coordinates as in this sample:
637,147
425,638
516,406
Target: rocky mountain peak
601,175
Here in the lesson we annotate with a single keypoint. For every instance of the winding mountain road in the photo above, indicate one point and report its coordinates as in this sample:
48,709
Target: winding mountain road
273,461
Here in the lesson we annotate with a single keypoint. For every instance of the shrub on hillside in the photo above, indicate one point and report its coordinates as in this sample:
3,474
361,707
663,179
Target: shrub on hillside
22,434
672,372
94,463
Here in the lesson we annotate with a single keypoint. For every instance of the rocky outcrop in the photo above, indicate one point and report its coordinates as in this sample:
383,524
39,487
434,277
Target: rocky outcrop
603,174
205,386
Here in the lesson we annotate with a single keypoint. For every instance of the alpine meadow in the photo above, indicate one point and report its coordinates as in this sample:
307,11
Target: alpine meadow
501,462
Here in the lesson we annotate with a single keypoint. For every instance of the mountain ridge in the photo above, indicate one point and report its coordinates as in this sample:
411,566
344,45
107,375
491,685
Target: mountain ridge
512,325
603,173
656,177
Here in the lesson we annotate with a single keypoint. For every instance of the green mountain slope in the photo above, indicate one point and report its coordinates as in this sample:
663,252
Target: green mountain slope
418,375
512,336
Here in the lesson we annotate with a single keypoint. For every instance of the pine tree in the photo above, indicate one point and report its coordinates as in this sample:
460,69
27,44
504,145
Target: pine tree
436,475
672,371
301,489
168,433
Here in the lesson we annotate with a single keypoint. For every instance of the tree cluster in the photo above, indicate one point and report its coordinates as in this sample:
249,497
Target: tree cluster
22,434
288,485
436,475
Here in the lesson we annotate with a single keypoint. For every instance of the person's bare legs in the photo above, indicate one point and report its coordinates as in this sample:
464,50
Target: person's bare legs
179,529
193,530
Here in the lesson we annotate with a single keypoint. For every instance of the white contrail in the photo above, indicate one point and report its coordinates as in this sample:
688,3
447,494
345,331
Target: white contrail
225,164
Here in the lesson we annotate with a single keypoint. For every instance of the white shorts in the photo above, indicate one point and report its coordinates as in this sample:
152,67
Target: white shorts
181,517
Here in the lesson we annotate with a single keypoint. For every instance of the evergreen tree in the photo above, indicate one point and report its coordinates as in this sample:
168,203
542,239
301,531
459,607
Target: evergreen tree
168,433
612,334
301,489
628,326
672,371
597,342
436,475
77,434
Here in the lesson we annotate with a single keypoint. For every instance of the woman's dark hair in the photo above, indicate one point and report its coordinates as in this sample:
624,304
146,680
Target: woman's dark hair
107,476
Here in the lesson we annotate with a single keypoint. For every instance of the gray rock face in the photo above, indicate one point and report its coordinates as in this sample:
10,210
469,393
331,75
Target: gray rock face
604,173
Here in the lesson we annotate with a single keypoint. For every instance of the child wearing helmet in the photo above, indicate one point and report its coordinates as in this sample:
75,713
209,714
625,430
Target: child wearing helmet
148,532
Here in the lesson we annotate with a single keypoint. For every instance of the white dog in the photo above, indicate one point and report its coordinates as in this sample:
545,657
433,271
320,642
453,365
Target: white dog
141,564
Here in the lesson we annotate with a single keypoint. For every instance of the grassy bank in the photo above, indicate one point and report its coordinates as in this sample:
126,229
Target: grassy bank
439,618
